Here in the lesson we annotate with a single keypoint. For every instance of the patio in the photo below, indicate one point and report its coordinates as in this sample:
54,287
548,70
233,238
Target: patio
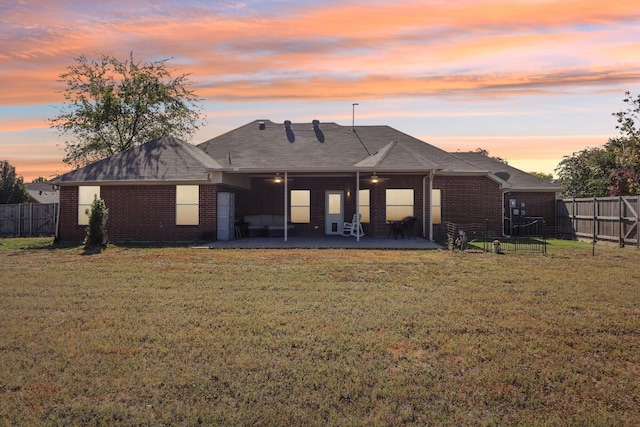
323,242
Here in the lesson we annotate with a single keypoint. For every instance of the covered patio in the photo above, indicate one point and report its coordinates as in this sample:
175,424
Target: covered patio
323,242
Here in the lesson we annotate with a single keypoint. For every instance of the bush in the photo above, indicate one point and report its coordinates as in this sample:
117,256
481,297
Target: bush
97,229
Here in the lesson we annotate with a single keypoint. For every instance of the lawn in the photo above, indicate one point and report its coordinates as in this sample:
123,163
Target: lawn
180,336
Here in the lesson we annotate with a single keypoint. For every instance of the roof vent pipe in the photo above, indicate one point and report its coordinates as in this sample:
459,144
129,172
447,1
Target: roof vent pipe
316,124
290,135
261,126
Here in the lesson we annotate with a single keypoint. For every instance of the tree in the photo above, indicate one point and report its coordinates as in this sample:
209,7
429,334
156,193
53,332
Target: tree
610,170
587,173
97,229
12,188
542,175
114,105
486,153
626,179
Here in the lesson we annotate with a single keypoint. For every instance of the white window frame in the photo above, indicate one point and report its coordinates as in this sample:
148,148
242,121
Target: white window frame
300,204
86,195
364,200
187,204
405,209
436,206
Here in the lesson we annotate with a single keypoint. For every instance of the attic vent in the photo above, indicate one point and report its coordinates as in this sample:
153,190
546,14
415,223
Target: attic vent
261,125
318,132
290,135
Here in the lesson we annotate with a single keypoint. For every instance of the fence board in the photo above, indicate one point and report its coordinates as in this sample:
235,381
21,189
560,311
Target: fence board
613,219
28,219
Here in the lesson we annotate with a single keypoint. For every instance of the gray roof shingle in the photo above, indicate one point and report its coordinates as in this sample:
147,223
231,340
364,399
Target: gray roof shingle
162,159
517,179
265,145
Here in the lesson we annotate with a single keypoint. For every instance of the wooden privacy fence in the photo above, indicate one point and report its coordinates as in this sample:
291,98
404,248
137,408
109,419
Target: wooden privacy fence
28,219
612,219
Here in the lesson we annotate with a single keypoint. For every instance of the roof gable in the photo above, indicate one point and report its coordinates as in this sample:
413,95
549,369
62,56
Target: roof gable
265,145
517,179
162,159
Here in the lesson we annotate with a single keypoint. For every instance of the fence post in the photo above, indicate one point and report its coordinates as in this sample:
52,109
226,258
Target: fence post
620,218
19,219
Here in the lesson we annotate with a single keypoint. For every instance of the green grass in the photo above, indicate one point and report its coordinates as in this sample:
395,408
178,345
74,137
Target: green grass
179,336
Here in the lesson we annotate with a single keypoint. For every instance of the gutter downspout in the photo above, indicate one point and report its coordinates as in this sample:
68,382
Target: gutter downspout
424,207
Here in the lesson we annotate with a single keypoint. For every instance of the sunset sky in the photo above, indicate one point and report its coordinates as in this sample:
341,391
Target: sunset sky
530,81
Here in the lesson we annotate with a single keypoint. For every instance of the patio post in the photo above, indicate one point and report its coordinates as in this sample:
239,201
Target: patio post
431,173
358,205
286,204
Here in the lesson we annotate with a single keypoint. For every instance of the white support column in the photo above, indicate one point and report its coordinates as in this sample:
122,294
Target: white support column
286,205
431,175
357,206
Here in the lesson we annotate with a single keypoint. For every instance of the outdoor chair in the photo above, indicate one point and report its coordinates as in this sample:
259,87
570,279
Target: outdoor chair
353,228
408,223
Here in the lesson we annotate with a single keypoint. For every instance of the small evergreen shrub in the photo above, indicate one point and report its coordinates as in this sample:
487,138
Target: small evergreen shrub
97,229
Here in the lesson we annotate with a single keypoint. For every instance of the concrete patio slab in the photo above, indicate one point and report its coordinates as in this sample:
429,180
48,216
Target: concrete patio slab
323,242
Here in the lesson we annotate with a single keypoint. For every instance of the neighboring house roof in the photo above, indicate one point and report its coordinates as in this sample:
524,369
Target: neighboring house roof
263,145
517,179
41,192
162,159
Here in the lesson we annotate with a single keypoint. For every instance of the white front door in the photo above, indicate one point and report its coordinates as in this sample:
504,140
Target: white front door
334,208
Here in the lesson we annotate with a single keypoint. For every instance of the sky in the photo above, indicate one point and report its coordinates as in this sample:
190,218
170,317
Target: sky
530,81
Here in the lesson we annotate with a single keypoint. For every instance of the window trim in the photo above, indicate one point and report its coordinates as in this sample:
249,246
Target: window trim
187,206
83,206
405,214
303,208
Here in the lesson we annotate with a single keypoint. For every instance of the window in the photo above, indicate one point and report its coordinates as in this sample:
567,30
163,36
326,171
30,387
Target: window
399,204
436,206
187,204
364,208
301,206
86,195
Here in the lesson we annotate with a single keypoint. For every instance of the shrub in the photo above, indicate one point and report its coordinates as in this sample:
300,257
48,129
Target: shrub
97,229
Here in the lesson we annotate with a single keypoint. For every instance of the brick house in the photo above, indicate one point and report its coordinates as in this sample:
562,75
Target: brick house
526,199
314,176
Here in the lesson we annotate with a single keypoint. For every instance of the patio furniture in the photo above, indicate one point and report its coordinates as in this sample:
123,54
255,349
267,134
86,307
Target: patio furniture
395,229
353,228
408,223
402,228
267,225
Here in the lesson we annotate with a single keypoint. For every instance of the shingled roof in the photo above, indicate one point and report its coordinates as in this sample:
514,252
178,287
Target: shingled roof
165,159
517,179
263,145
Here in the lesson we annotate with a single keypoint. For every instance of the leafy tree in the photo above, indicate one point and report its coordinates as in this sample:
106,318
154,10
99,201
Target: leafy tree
542,175
113,105
587,173
40,180
486,153
626,179
97,229
610,170
12,188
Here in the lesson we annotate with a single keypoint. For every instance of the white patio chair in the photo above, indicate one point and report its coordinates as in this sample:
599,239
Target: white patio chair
353,228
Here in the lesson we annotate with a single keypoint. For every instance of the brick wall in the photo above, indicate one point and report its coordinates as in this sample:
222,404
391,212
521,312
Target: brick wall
469,200
141,213
147,212
268,197
537,204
